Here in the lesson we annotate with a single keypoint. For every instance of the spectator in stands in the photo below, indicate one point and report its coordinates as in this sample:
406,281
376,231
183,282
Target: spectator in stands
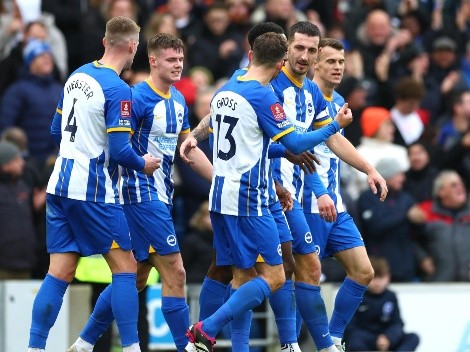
409,120
420,176
377,324
281,12
30,103
18,237
189,25
378,134
385,226
446,230
219,48
12,66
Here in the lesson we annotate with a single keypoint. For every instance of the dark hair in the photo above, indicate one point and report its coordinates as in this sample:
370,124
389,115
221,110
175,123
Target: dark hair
261,28
409,88
331,42
269,49
380,266
164,41
303,27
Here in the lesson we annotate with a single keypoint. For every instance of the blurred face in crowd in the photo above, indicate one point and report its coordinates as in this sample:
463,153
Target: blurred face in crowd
443,58
203,104
419,157
279,9
330,65
179,8
14,167
36,30
386,131
452,193
217,20
395,182
463,107
42,65
122,8
379,284
169,64
378,27
302,53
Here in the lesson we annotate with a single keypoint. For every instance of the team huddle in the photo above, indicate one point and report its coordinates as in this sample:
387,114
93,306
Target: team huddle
273,215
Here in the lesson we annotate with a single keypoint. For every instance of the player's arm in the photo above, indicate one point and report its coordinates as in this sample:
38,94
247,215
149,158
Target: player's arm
200,133
120,151
305,160
326,206
199,161
343,148
56,126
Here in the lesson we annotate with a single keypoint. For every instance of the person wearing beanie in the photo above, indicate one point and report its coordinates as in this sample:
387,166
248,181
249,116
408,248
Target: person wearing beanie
386,228
30,102
377,140
18,237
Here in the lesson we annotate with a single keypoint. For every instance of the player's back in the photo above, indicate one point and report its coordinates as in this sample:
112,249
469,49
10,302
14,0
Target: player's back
94,101
244,116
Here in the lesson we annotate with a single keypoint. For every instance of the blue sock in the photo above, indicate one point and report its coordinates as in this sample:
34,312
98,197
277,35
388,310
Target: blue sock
240,332
46,308
313,312
283,305
100,319
248,296
298,320
176,313
211,297
348,298
125,305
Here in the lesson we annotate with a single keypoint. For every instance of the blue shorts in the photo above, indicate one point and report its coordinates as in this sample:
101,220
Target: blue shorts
152,229
334,237
281,222
84,227
302,236
238,240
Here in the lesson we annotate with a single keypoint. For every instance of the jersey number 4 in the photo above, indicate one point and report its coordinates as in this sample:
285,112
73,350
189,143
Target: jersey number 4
72,127
231,121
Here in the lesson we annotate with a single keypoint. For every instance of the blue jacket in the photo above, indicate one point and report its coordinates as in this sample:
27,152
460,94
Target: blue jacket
30,103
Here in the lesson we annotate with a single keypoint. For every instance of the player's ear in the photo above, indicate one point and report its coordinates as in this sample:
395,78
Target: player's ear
250,55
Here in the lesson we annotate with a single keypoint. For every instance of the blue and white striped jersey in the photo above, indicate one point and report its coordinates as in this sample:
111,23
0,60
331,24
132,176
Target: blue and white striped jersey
94,102
302,102
245,115
328,170
157,121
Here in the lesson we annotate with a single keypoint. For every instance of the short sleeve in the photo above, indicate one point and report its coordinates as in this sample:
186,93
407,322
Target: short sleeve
272,118
118,109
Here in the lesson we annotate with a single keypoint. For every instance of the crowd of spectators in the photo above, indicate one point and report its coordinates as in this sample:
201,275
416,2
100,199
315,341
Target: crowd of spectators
407,81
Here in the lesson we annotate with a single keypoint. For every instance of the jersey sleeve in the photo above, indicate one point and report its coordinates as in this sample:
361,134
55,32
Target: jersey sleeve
322,116
118,109
185,128
272,118
137,109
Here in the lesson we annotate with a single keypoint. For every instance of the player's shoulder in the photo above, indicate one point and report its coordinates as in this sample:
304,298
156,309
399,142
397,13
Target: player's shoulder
177,95
338,98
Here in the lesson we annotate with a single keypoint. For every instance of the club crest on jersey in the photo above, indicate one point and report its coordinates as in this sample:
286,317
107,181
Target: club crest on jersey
125,108
278,112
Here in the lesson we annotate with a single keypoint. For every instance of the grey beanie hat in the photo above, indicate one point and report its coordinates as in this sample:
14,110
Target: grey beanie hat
389,167
8,152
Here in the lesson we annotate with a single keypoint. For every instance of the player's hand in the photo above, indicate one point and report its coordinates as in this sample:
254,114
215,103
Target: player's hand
151,164
186,147
344,116
326,207
284,197
383,343
305,160
374,179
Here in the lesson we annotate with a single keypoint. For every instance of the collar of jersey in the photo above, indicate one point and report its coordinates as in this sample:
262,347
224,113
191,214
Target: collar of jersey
330,99
243,79
291,78
99,65
156,90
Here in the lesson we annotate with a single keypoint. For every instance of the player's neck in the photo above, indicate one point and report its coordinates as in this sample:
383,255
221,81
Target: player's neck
326,88
113,61
260,74
163,87
298,78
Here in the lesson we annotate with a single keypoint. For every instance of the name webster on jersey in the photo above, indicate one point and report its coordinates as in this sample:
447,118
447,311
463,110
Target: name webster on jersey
81,85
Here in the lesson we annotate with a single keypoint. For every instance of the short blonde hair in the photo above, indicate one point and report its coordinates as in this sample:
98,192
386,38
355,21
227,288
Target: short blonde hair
120,30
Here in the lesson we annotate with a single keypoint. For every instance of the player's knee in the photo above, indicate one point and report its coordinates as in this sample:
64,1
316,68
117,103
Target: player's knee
289,267
363,276
141,282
